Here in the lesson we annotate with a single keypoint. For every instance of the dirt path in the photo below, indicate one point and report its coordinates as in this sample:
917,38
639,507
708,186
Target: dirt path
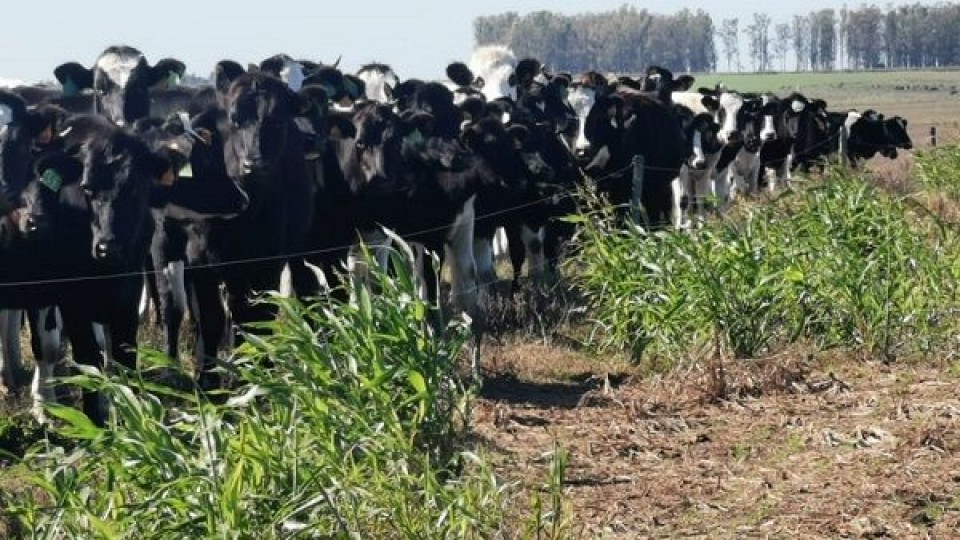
794,452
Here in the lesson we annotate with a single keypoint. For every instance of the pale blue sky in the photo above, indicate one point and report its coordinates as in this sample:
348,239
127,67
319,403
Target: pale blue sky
417,37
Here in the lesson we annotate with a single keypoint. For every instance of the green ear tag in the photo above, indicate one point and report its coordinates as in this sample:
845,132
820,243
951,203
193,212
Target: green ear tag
186,171
51,179
352,90
173,79
70,88
415,137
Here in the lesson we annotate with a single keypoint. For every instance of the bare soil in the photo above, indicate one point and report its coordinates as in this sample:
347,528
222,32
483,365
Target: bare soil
796,446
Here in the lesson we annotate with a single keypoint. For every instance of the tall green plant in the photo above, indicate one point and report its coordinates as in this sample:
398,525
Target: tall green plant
841,263
347,424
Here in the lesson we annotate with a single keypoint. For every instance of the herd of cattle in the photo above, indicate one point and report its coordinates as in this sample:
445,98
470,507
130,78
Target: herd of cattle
120,173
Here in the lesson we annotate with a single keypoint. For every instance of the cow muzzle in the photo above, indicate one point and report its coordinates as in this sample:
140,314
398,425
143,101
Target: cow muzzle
254,166
732,137
697,163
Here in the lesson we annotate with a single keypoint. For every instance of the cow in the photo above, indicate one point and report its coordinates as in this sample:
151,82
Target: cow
778,155
202,179
22,130
94,194
264,153
626,124
869,133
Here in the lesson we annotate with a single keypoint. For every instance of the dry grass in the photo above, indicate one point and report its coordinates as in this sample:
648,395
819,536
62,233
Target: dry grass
802,446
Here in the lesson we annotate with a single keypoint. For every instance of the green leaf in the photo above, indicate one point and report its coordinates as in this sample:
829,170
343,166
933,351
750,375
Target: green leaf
80,427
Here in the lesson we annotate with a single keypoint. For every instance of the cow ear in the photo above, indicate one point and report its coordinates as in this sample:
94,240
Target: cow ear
706,91
512,80
683,83
225,72
711,103
168,72
74,78
903,120
520,134
13,108
388,91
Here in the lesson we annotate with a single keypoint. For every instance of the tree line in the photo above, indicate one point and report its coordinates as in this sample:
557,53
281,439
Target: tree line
629,40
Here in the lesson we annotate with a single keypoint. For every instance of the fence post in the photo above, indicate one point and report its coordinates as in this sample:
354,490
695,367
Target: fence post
636,199
933,135
842,146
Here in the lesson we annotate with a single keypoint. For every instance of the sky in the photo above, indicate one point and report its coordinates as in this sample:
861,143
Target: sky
418,38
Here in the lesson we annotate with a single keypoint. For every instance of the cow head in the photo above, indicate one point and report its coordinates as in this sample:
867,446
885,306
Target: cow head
22,132
286,69
200,187
896,133
122,79
731,117
379,81
769,112
259,112
700,131
494,65
119,172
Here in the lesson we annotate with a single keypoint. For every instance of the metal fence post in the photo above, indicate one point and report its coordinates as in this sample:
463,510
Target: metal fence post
933,135
844,135
636,199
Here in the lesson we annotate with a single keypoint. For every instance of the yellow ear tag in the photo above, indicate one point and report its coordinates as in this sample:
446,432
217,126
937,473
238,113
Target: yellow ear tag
186,171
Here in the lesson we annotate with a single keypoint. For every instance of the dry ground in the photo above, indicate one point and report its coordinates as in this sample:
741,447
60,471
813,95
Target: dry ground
799,446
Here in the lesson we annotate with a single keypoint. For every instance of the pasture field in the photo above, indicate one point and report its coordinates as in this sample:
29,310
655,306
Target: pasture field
788,371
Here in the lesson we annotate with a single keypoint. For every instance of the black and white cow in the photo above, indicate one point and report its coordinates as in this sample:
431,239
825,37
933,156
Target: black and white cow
869,133
626,124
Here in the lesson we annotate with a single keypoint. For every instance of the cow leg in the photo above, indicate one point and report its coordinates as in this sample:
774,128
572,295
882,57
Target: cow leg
86,350
533,243
483,251
463,283
172,299
379,245
676,212
151,293
304,282
518,251
703,188
500,242
210,318
10,321
47,325
784,172
459,251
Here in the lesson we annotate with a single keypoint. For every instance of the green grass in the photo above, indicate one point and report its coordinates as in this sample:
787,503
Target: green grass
839,264
349,421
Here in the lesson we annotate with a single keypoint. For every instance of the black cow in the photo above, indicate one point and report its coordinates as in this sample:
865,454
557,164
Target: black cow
264,152
94,197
